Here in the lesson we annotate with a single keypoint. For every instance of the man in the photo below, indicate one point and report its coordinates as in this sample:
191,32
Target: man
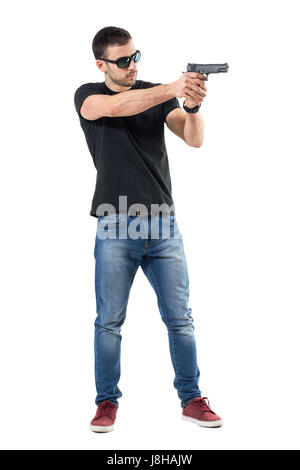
123,122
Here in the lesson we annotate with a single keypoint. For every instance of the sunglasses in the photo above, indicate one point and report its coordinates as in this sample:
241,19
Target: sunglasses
124,62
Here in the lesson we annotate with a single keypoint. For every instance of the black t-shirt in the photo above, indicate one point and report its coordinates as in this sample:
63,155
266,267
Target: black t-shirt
129,152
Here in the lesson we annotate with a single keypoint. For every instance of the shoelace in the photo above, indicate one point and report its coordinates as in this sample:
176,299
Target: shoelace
105,409
203,405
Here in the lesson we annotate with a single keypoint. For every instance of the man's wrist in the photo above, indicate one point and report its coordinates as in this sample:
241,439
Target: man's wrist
171,90
191,110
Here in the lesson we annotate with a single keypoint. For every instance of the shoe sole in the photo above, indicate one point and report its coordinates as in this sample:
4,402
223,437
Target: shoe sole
101,428
206,424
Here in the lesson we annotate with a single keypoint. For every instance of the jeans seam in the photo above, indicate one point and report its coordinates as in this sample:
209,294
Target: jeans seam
167,323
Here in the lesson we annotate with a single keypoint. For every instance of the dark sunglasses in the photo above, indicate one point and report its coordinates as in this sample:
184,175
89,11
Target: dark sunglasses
124,62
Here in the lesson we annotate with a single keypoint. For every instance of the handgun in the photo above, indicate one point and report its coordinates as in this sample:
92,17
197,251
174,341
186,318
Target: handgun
207,68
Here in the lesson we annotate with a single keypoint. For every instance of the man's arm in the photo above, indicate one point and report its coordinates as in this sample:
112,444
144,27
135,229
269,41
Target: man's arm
126,103
187,126
131,102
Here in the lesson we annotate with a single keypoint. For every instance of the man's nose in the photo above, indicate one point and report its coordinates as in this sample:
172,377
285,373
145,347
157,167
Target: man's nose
132,65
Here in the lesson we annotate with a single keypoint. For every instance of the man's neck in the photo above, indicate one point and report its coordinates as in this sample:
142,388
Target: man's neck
116,88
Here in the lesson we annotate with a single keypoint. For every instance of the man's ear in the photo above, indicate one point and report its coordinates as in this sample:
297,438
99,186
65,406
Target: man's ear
101,65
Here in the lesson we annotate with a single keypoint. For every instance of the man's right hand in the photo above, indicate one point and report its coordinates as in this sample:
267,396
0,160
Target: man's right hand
189,80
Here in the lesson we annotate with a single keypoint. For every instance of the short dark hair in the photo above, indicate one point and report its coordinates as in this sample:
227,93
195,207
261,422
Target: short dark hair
109,36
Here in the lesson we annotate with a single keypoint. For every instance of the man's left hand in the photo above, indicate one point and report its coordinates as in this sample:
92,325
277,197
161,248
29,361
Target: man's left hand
194,96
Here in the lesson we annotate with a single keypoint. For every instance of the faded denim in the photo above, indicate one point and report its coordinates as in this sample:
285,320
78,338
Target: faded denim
162,259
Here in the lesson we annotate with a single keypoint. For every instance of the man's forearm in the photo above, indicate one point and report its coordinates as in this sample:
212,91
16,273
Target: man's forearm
133,102
194,129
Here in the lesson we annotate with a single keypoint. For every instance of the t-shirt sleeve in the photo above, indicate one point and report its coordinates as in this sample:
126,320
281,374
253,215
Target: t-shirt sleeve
169,105
83,92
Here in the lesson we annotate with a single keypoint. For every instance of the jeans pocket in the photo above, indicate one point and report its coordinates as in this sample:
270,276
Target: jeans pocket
109,225
111,219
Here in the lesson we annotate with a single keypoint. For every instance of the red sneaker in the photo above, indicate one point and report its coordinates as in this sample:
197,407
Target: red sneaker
199,412
105,417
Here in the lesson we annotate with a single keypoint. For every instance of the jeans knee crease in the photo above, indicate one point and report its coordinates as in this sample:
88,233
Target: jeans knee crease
160,298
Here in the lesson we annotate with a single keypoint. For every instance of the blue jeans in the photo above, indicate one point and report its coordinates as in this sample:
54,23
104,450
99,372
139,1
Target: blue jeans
163,261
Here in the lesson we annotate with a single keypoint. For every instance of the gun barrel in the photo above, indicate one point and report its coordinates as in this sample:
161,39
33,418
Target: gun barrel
207,68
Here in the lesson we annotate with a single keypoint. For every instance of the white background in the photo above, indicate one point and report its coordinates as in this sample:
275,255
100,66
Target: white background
237,200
